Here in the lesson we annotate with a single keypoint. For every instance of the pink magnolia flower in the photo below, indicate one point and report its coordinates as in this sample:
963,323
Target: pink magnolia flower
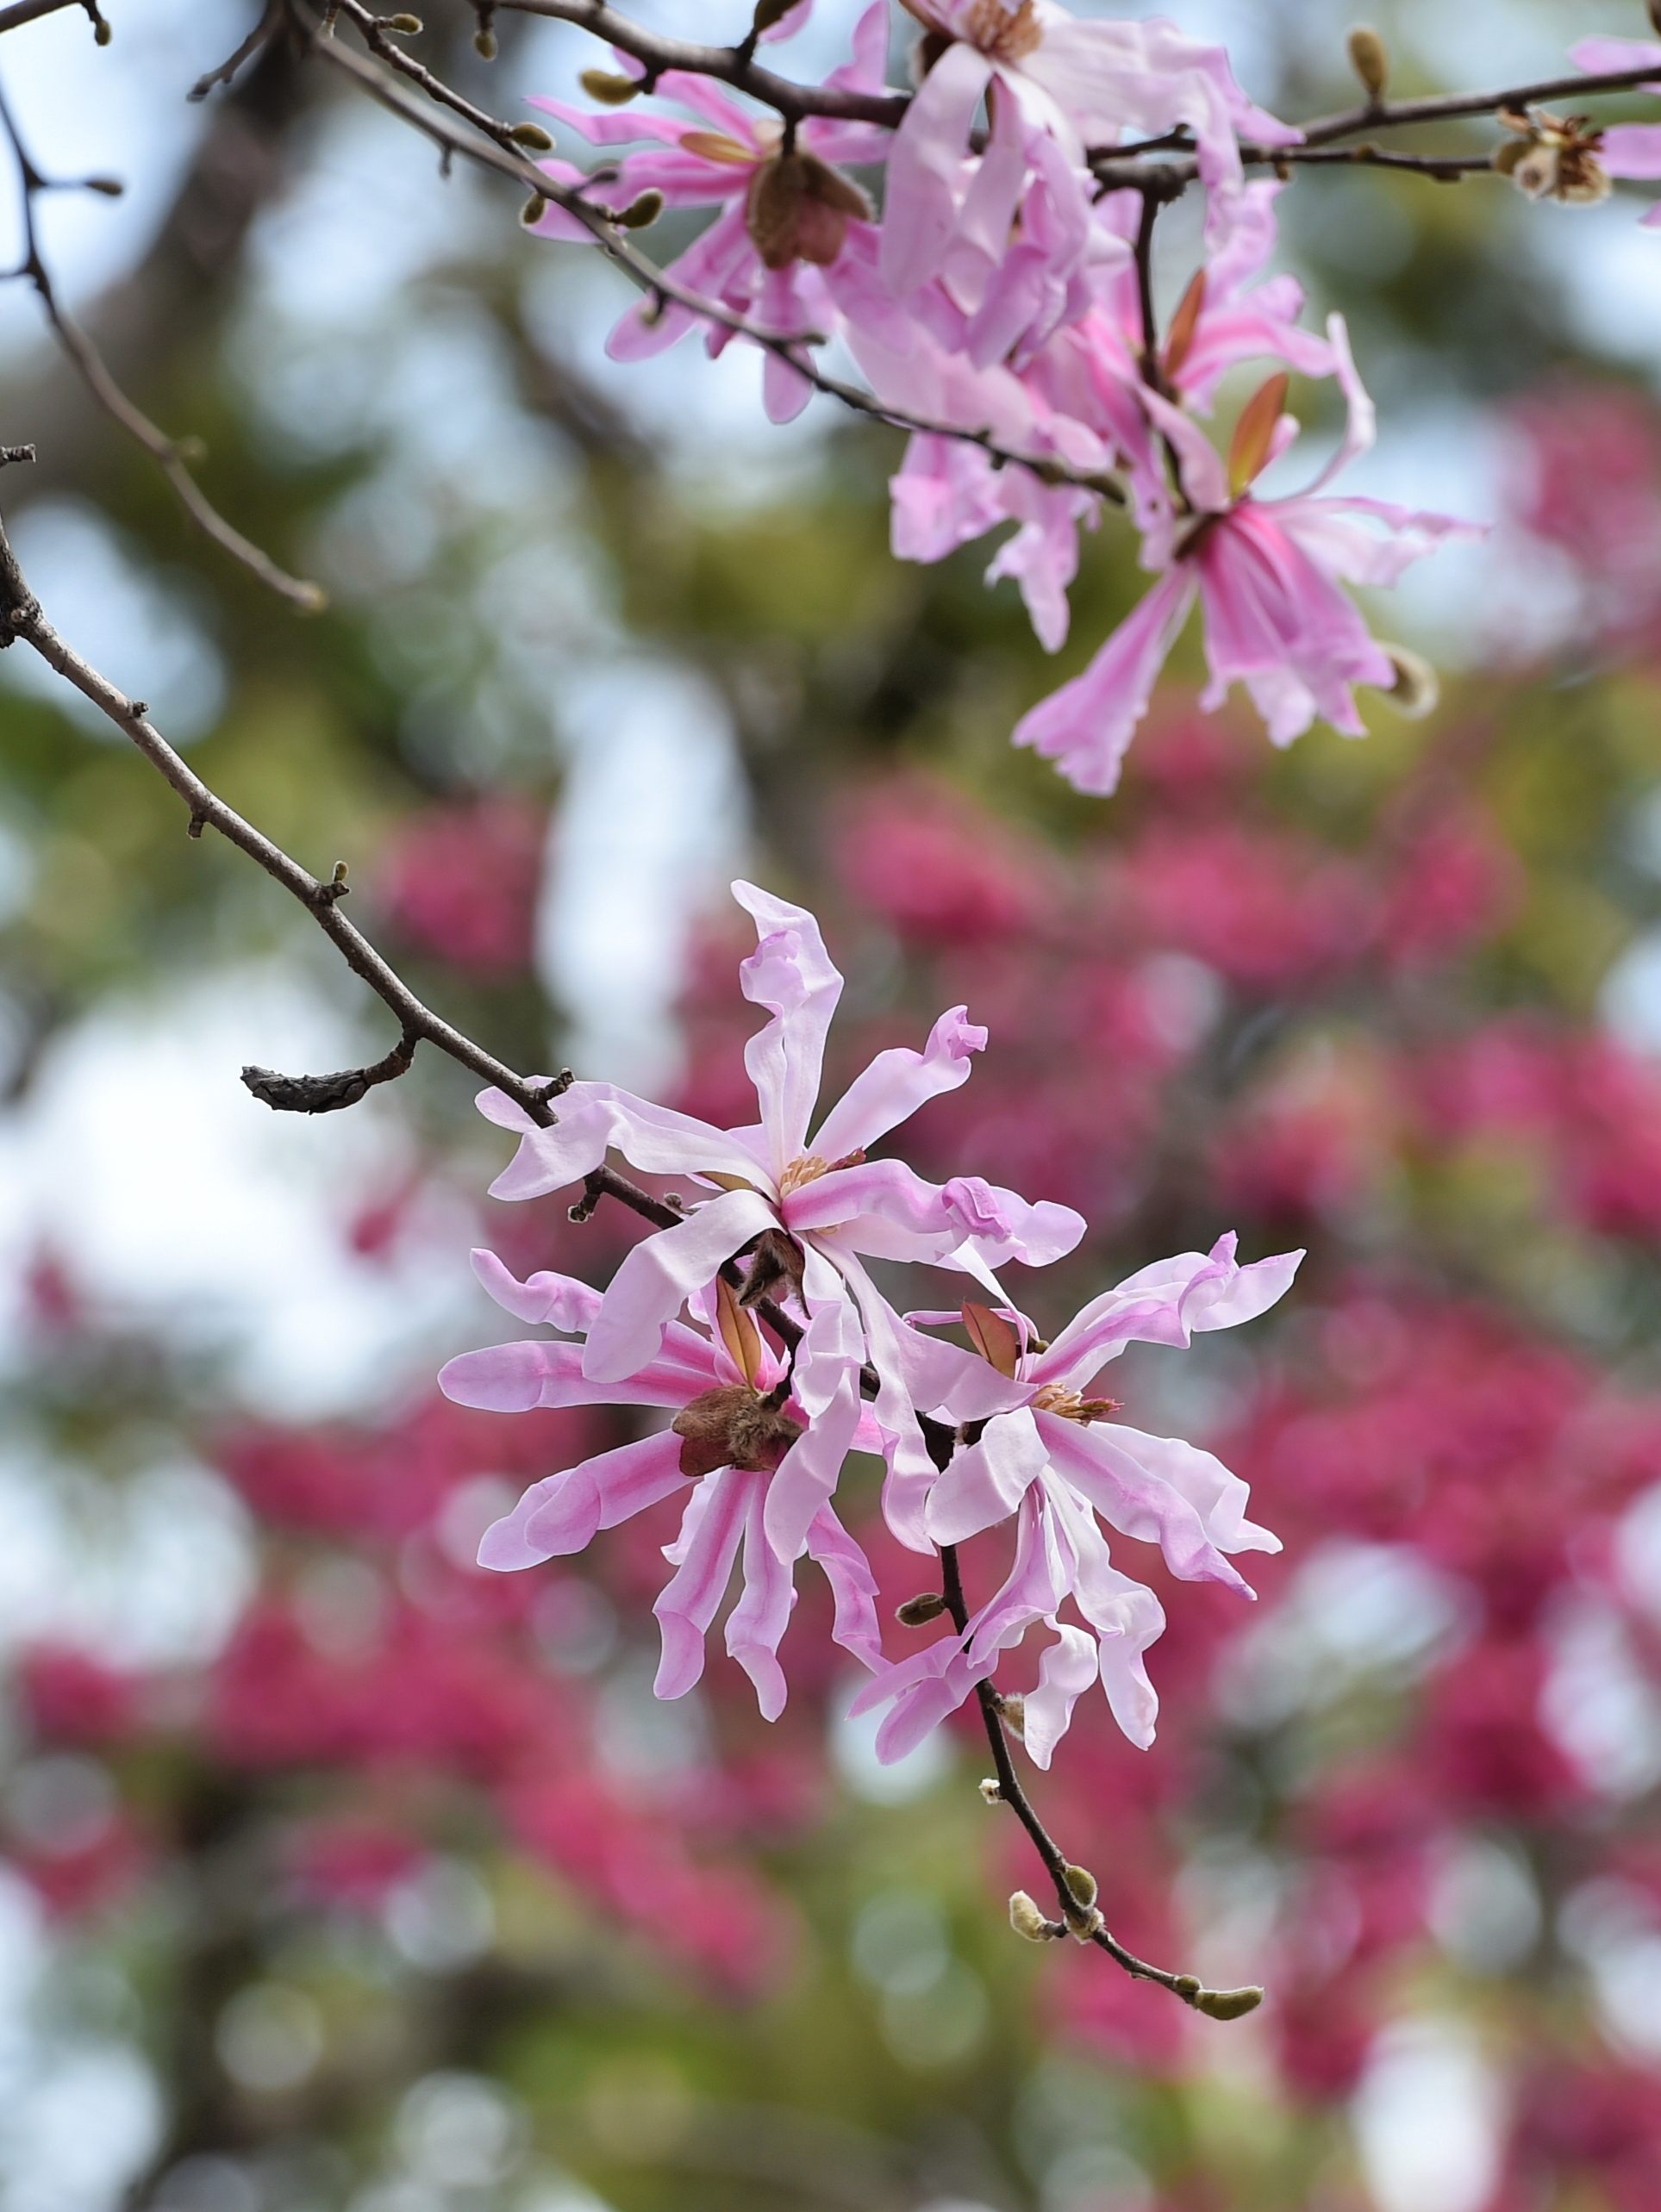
1053,1456
811,1211
1081,395
1268,574
1631,150
738,1429
1083,83
794,249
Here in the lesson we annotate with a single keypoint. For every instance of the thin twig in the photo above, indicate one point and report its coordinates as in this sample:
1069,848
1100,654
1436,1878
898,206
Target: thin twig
494,150
259,37
167,453
30,11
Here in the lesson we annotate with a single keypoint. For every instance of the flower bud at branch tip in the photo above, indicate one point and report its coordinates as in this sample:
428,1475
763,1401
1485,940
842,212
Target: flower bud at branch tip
1027,1920
532,135
611,88
1227,2004
410,26
928,1606
1369,59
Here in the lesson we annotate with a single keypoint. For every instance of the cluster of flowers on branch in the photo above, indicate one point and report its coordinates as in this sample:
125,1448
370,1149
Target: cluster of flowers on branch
794,1356
1002,306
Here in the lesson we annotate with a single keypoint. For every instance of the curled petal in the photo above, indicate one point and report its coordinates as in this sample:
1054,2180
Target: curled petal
985,1482
561,1514
790,975
1087,726
897,1082
705,1549
1067,1669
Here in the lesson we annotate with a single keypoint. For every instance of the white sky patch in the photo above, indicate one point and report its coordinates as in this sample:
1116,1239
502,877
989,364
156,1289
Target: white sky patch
1427,2120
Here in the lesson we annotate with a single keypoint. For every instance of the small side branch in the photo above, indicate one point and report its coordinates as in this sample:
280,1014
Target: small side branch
170,454
329,1093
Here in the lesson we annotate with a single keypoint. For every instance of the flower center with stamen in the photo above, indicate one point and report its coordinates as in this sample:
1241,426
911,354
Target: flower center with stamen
1072,1405
808,1166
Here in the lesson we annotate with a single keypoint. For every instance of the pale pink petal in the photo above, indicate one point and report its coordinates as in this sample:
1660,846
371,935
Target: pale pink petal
896,1083
705,1547
514,1378
853,1588
1066,1670
660,1272
984,1482
1087,726
790,974
561,1300
1632,150
920,210
758,1621
590,1120
1609,57
561,1514
828,1389
1132,1495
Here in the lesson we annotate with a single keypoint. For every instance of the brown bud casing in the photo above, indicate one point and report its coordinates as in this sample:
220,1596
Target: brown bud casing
798,209
730,1426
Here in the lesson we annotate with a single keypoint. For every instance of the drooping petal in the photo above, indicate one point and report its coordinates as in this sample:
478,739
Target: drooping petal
897,1082
827,1388
1632,150
853,1588
758,1621
660,1272
984,1482
561,1514
561,1301
1087,726
1132,1492
790,975
1067,1669
1165,1304
705,1549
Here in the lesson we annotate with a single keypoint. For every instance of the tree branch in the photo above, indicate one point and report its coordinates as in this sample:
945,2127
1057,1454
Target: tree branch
169,453
494,149
30,12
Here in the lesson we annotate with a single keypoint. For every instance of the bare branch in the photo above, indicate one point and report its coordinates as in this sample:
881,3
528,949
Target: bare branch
260,36
169,453
328,1093
30,11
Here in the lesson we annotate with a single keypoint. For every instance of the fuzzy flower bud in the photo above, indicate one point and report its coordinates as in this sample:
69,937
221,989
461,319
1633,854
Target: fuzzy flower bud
532,135
608,87
640,212
916,1612
1027,1920
1227,2004
1369,59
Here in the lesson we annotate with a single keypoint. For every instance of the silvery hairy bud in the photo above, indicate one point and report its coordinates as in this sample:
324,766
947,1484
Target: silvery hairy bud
1027,1920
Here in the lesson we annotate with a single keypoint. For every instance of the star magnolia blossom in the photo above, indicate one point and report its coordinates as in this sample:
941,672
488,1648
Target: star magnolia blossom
737,1429
1268,574
1051,1454
811,1211
1083,83
1631,150
795,248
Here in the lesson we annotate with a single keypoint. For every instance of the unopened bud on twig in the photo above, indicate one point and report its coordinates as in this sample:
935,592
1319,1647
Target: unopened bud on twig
484,43
1227,2004
640,211
1027,1920
991,1793
532,135
408,27
915,1613
1369,59
1082,1883
110,187
608,87
1416,689
769,12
